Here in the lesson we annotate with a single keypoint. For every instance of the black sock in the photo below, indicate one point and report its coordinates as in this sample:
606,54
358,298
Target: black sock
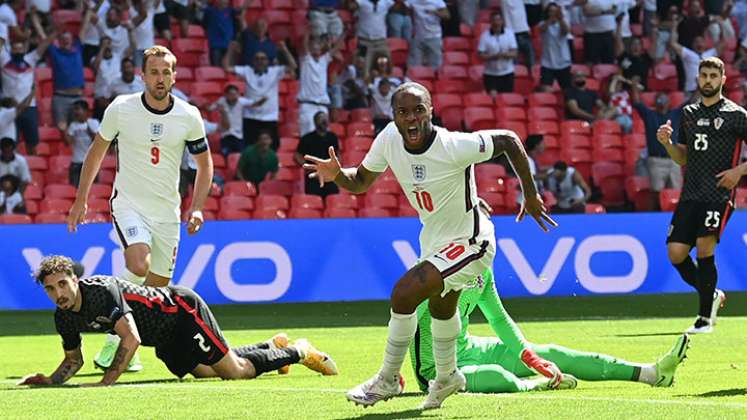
689,272
243,350
707,276
267,360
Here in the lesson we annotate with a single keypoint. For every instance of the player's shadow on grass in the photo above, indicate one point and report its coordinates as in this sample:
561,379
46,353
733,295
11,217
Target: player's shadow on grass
77,375
662,334
732,392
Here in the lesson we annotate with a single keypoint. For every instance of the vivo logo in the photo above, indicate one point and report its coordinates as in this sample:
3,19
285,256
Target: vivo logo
540,283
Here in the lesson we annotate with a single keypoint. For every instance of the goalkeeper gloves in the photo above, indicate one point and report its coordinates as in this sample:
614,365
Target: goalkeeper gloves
542,366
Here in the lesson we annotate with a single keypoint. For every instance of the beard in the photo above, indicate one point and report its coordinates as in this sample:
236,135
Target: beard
158,94
708,92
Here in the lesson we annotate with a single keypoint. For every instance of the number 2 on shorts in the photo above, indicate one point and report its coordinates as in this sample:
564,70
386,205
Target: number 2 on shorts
201,342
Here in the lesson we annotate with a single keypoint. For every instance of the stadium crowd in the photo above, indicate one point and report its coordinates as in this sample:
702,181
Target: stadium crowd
585,83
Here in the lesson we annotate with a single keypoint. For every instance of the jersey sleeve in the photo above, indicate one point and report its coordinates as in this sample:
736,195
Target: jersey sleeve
196,141
473,148
109,127
741,131
685,124
482,46
66,329
108,304
375,160
500,322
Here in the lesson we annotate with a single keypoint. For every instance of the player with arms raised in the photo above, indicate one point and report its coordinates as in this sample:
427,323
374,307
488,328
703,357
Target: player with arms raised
435,168
710,144
174,320
152,128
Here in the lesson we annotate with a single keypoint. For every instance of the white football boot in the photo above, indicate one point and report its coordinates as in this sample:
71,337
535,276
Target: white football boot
438,392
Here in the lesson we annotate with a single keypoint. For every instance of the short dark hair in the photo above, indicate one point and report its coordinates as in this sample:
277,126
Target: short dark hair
81,103
78,269
52,265
712,63
7,141
126,60
534,140
14,180
230,87
560,166
411,85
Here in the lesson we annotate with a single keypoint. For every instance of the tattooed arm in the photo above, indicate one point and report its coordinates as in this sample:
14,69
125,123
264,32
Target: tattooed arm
129,342
70,365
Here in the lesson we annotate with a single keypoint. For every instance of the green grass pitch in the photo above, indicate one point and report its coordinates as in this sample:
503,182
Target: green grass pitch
711,384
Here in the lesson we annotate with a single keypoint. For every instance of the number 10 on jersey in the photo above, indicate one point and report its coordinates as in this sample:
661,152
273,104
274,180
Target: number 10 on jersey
424,200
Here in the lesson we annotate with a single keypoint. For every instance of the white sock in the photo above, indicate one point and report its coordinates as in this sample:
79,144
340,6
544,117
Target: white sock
112,339
648,374
401,330
445,333
132,278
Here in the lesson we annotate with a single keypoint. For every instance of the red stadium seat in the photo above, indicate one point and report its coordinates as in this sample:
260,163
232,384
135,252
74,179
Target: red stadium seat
495,200
668,199
576,142
97,218
387,201
608,141
287,160
608,155
341,201
603,71
210,73
510,113
232,163
490,170
302,213
419,73
516,126
271,202
575,127
406,211
542,113
361,115
638,190
442,101
59,191
580,159
385,186
269,214
49,134
98,205
229,214
239,188
276,187
279,4
339,213
236,202
610,178
288,174
456,58
478,99
741,197
37,163
595,209
50,218
509,99
364,129
306,201
32,207
338,129
374,212
479,118
449,86
353,158
542,99
16,219
542,127
360,144
606,127
55,205
211,91
101,191
33,192
457,43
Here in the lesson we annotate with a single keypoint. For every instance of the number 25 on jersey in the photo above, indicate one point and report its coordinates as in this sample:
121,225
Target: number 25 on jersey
701,142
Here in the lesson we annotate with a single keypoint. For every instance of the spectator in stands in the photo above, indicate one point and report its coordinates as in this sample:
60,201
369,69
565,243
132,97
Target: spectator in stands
719,13
649,16
257,39
426,48
399,22
371,29
108,68
691,57
662,171
382,69
129,82
556,51
317,143
569,188
181,11
599,29
231,106
620,102
741,57
693,25
350,90
515,17
262,82
497,47
468,11
580,102
120,34
10,110
312,95
17,80
258,161
11,199
161,20
636,62
668,16
535,146
14,164
9,18
79,135
324,19
142,13
452,25
39,17
219,21
622,18
381,104
67,74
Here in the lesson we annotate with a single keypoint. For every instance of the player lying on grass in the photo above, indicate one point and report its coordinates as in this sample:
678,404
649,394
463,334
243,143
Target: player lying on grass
499,364
173,319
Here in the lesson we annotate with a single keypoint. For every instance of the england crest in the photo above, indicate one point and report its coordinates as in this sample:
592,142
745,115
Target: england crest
156,129
418,172
717,122
131,231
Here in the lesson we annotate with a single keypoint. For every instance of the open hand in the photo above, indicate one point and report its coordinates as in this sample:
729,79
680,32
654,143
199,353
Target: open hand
534,206
76,215
729,178
35,379
325,170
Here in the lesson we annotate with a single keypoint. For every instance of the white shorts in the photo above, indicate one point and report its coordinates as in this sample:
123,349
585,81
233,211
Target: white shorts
461,263
162,238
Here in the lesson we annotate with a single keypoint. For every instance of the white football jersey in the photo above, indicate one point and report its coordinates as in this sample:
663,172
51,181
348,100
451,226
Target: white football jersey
439,183
150,145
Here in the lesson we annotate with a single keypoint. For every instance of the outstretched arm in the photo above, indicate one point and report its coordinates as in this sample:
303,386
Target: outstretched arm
70,365
356,180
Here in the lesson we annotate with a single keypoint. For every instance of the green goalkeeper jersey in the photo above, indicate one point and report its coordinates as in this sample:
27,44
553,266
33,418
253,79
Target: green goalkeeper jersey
483,295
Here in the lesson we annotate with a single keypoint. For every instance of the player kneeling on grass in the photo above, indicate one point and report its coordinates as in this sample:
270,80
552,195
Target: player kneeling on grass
173,319
502,363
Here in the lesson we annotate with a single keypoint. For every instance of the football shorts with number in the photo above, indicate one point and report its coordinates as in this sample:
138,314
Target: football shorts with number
457,236
198,338
694,219
133,228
